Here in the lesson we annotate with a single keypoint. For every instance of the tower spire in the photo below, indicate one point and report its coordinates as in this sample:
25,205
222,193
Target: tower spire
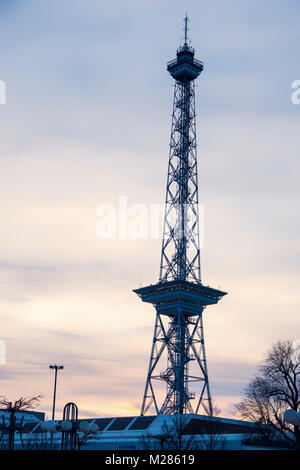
186,29
179,297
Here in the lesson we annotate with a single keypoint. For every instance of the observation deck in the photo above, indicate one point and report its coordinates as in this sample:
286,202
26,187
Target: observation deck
190,297
185,67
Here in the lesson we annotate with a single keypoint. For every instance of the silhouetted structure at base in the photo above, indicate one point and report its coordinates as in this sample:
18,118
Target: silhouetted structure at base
158,432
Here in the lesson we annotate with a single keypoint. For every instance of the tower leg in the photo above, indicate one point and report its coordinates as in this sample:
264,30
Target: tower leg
181,343
157,349
200,356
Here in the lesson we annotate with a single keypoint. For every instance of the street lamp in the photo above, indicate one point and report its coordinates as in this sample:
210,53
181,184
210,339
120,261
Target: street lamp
56,368
70,431
292,417
74,433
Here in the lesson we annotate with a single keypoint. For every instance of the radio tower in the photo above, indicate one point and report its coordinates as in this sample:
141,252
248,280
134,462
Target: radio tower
178,354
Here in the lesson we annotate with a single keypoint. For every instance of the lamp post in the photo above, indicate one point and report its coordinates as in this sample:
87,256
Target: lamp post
74,433
292,417
56,368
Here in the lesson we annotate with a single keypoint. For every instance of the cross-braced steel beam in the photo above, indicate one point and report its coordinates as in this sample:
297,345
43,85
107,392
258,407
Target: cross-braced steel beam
177,343
178,359
180,258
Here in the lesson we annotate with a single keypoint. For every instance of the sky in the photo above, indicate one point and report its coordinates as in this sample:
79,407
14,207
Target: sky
87,120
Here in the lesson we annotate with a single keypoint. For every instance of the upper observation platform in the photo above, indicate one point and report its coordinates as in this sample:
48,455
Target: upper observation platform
185,67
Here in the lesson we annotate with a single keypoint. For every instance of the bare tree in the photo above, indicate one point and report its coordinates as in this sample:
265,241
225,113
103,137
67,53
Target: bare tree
40,441
154,441
83,438
170,437
178,440
12,407
211,434
274,389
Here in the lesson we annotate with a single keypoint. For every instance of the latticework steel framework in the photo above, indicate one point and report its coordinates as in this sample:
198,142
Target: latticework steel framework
179,297
182,340
180,258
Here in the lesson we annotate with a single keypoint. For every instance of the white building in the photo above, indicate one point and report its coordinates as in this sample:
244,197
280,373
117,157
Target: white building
163,432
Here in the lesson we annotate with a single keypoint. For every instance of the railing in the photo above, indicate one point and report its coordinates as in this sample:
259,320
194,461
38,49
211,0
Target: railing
186,47
171,62
185,59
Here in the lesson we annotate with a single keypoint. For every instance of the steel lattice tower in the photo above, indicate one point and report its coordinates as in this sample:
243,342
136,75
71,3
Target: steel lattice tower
180,297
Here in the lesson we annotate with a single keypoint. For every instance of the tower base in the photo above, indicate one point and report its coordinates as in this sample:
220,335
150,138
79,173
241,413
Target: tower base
178,335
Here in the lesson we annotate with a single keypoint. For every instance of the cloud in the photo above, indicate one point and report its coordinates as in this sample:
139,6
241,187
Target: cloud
87,120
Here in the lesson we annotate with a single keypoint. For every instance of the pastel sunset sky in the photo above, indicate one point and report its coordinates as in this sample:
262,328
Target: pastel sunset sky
87,120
